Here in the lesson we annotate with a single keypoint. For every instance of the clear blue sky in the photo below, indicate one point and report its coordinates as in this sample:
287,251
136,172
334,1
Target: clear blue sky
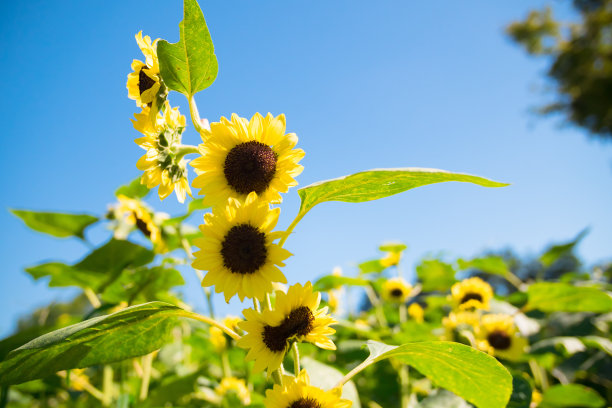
363,84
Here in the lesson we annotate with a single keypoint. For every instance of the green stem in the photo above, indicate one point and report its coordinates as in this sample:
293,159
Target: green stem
92,297
403,314
195,115
147,364
295,222
268,302
4,391
404,375
277,376
380,314
212,322
514,280
256,305
107,385
225,364
296,358
353,373
183,150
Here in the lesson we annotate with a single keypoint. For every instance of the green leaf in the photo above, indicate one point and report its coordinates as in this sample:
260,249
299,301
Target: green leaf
324,377
563,297
189,65
443,398
65,275
372,266
567,344
374,184
435,275
557,251
59,225
494,265
143,285
471,374
114,256
521,392
134,189
571,395
601,343
131,332
330,282
196,204
393,247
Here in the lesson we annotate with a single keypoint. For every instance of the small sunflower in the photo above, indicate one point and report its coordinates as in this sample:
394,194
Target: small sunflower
396,290
239,157
296,392
234,385
217,338
472,293
144,83
498,336
162,164
457,321
238,251
416,312
136,215
295,317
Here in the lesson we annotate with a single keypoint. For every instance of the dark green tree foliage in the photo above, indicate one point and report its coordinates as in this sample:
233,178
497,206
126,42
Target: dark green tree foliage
581,61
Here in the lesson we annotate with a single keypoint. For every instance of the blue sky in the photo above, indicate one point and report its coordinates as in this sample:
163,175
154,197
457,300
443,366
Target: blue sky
363,84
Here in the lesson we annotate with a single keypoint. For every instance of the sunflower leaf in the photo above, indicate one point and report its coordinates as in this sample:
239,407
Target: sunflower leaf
564,297
134,189
324,376
330,282
190,65
571,395
59,225
470,374
374,184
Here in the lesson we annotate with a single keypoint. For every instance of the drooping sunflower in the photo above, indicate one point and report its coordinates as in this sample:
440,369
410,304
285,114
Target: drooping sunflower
472,293
239,157
236,386
162,163
144,83
296,317
136,215
237,249
296,392
498,336
396,290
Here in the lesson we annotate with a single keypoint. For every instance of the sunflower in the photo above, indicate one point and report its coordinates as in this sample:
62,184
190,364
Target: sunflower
217,338
239,157
459,321
144,83
236,386
498,336
134,213
472,293
396,290
416,312
295,317
296,392
162,164
238,251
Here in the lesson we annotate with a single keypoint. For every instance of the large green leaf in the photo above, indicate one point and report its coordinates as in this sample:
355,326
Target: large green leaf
134,189
563,297
435,275
143,285
495,265
331,282
114,256
131,332
471,374
59,225
557,251
65,275
374,184
190,65
324,376
571,395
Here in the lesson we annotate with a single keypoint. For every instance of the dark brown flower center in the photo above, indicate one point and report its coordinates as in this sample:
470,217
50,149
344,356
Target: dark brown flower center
305,403
144,81
142,226
244,249
470,296
397,292
298,323
250,166
499,340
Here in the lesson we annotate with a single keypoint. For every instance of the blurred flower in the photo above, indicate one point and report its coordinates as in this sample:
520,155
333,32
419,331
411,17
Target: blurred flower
217,338
295,317
135,214
391,259
231,322
416,312
144,82
296,392
498,336
238,251
163,162
456,321
472,293
236,386
396,290
240,157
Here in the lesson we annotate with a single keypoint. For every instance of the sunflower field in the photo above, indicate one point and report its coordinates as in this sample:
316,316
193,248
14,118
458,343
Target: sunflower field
491,331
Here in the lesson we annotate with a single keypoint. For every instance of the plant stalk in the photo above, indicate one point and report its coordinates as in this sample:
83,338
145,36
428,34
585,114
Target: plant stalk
147,363
296,358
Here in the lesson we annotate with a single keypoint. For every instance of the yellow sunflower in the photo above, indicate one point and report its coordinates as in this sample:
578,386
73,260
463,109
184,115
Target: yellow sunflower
234,385
135,214
498,336
144,83
163,162
472,293
396,290
295,317
240,156
457,321
296,392
416,312
238,251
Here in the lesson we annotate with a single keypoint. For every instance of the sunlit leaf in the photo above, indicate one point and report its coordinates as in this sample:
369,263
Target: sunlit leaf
61,275
495,265
114,256
379,183
563,297
393,247
324,376
571,395
372,266
557,251
601,343
133,189
435,275
59,225
190,65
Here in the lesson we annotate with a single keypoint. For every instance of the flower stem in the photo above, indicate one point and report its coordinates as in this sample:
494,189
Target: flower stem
212,322
195,115
183,150
296,358
295,222
404,375
107,385
147,363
